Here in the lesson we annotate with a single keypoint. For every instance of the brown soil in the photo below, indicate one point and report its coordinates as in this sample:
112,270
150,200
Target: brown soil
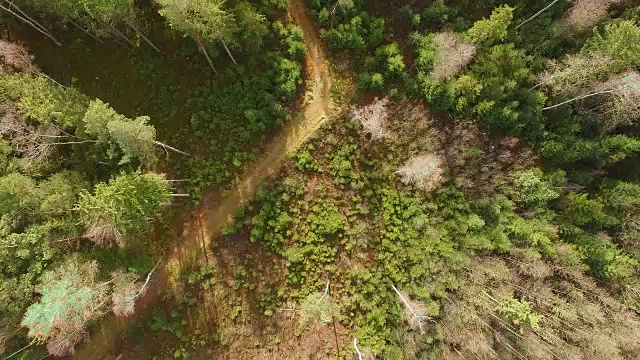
219,209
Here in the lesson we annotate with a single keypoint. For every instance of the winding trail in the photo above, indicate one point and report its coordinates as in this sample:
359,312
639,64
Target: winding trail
219,211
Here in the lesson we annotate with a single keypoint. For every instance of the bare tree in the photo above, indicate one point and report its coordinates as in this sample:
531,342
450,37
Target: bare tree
373,117
424,171
621,100
575,74
452,54
125,289
621,107
32,143
584,14
103,233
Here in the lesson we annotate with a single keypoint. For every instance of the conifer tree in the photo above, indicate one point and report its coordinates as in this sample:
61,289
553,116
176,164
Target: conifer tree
204,20
123,207
494,29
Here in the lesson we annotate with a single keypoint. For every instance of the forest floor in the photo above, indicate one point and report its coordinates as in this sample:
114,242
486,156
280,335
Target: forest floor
218,209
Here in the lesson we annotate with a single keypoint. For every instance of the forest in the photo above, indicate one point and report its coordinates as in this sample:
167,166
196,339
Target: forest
320,179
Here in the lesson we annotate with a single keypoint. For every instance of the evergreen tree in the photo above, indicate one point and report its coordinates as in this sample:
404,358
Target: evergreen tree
204,20
122,208
494,29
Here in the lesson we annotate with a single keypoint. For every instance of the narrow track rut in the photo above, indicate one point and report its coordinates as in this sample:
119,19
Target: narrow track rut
219,212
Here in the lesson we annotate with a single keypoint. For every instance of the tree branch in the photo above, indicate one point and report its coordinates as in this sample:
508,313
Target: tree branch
578,98
147,281
355,346
32,25
536,14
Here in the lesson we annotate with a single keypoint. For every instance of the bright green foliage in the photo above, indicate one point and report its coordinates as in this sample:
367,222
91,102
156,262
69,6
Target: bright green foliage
43,101
292,39
520,314
341,167
23,258
70,298
622,201
19,201
387,62
579,210
604,259
253,24
496,89
315,248
358,33
535,233
205,20
602,151
123,207
8,164
620,41
316,309
531,190
136,139
112,11
389,57
287,77
412,249
425,52
304,160
271,224
59,194
97,118
494,29
325,219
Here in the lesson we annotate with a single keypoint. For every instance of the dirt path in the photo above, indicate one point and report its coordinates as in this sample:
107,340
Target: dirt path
219,211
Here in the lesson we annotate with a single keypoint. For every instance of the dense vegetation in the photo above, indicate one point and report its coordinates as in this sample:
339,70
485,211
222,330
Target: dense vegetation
79,186
477,196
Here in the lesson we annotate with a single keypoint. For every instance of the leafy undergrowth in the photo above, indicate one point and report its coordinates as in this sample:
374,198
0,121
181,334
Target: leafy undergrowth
483,268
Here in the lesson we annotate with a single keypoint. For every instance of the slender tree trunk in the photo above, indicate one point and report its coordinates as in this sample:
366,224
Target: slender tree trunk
86,31
47,77
579,98
405,302
144,37
228,52
111,32
27,16
147,281
180,195
206,54
116,31
74,142
171,148
21,350
536,14
45,33
355,346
